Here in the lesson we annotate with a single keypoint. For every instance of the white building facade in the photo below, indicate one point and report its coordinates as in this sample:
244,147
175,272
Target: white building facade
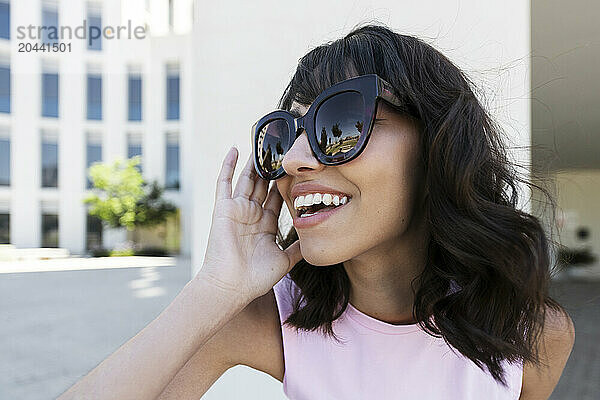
89,99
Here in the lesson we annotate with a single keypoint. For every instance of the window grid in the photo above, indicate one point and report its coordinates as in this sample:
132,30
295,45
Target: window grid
173,92
94,96
4,19
172,161
93,232
50,94
49,25
4,228
49,230
134,148
49,160
134,89
93,154
4,87
4,161
94,19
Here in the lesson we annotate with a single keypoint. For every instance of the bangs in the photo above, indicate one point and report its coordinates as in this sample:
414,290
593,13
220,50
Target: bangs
354,55
327,65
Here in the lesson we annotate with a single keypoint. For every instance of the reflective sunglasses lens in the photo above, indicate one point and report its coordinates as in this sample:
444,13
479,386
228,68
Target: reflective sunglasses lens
272,145
339,123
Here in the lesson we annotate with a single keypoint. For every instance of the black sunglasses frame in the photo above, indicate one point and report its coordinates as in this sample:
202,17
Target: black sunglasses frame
370,86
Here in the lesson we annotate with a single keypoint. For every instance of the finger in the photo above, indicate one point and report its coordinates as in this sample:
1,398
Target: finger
223,190
294,254
245,182
260,190
260,186
274,199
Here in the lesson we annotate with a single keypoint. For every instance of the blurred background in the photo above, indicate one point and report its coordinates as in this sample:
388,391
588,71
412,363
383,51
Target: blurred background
110,145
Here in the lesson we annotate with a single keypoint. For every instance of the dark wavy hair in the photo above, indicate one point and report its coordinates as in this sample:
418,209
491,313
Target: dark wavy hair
498,255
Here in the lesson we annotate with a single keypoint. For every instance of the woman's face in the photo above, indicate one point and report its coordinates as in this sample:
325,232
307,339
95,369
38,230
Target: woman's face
385,184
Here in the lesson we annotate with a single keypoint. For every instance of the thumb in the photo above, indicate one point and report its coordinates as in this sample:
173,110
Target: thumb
294,254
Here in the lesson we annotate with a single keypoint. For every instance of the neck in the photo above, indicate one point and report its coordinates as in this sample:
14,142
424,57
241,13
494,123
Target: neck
380,279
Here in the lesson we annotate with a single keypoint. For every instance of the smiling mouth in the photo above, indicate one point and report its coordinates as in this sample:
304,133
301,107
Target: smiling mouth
304,212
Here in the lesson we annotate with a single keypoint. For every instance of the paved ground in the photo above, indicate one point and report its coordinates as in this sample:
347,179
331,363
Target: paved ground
57,326
581,377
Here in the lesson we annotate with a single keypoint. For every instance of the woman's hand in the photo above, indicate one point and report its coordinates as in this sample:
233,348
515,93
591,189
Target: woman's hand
242,254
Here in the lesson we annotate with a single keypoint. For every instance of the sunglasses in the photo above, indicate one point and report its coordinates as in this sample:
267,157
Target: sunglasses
338,125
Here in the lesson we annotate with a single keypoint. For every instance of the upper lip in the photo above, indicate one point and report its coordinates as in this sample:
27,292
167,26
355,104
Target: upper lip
305,188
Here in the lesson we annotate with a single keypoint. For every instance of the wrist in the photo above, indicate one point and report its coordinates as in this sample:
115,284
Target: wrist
222,289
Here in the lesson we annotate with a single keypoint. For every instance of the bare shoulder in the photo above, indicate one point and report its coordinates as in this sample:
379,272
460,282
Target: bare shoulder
556,344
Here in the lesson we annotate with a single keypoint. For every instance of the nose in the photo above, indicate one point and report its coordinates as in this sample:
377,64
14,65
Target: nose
300,158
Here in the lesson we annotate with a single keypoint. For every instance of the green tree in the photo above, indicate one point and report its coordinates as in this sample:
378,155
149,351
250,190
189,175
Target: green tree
152,209
123,199
335,129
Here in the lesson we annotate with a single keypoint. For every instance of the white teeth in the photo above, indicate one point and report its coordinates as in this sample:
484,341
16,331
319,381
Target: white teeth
316,198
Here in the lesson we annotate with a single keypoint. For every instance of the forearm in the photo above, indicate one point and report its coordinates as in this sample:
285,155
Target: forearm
143,366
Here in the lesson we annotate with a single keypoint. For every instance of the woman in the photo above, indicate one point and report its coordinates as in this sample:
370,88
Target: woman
408,272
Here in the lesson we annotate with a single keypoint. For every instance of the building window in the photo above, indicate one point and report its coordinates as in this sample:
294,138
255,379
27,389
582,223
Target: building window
50,94
4,160
94,96
93,153
49,230
93,232
4,228
171,15
49,23
134,88
49,159
172,92
94,23
4,19
172,161
4,86
134,147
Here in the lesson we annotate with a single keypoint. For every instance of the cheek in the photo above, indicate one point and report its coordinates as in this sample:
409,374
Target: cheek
386,203
388,185
283,186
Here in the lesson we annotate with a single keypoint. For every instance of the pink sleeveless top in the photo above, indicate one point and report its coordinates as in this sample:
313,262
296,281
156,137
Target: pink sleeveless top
378,360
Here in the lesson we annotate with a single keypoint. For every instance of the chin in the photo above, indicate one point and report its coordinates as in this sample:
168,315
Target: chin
320,256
